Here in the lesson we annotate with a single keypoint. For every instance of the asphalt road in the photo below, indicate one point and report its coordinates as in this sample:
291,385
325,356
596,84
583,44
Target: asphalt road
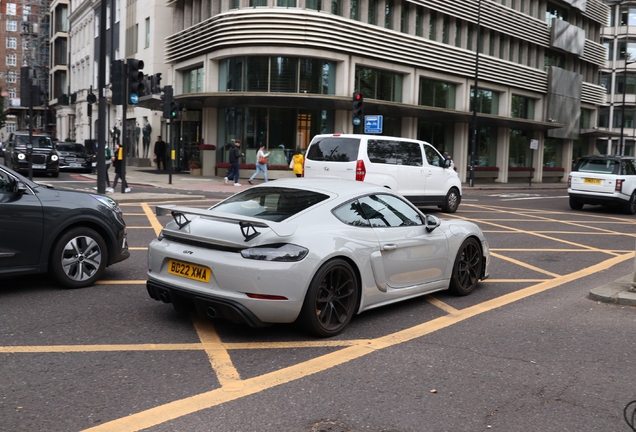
527,351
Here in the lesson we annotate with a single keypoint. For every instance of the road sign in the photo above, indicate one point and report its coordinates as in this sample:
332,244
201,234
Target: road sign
373,124
356,121
534,144
134,98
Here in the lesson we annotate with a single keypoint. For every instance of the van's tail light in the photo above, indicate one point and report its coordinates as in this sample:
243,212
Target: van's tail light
619,186
361,171
570,181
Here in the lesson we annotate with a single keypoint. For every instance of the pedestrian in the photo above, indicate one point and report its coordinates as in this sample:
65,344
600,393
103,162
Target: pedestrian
298,162
160,153
235,157
261,164
120,171
108,160
450,158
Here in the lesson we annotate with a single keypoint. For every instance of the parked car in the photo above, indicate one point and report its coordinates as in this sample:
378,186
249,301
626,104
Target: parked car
44,157
412,168
313,250
72,235
604,180
74,156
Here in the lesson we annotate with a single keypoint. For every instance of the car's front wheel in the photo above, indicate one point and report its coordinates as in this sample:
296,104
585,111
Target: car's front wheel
575,205
630,207
79,258
451,201
331,299
467,268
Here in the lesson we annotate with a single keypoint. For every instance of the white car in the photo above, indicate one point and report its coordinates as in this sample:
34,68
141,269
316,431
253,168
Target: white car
316,250
604,180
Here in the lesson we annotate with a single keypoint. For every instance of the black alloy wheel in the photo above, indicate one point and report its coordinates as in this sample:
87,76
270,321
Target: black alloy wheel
630,208
331,299
467,268
79,258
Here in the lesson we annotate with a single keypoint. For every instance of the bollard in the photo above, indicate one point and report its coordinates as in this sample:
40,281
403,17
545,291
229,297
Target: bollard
633,288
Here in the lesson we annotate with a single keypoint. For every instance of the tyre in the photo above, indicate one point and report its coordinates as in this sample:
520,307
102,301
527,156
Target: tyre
630,207
451,201
331,299
467,268
79,258
55,174
575,205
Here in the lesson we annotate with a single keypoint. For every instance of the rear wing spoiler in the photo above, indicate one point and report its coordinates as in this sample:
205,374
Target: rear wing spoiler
247,224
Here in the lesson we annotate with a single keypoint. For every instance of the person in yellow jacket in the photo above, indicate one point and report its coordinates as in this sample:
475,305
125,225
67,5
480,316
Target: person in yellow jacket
118,158
298,162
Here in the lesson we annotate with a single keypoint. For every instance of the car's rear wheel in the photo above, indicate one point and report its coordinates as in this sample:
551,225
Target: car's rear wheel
467,268
79,258
331,299
575,205
451,201
630,207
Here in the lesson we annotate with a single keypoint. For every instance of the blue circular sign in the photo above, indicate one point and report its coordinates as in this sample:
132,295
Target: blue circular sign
134,98
356,121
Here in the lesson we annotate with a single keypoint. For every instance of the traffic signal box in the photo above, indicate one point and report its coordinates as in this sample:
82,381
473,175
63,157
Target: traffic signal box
118,81
358,101
166,101
135,78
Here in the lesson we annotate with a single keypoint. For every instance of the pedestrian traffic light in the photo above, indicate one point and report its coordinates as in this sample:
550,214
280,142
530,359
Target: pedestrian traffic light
174,110
117,82
358,101
166,101
135,79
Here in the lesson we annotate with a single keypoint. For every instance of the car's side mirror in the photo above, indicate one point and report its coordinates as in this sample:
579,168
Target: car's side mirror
19,187
431,222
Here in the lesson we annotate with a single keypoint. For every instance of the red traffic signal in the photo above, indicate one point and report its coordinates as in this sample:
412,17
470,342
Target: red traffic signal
358,101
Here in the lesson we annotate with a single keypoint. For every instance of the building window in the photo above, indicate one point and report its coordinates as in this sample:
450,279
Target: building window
603,117
388,14
336,7
520,154
10,127
486,147
432,25
354,12
12,93
631,50
553,11
522,107
487,101
286,3
440,135
628,15
552,58
379,84
552,151
258,3
12,60
458,33
605,81
193,80
26,10
147,42
404,18
419,18
313,4
12,42
11,9
622,88
12,25
445,29
12,77
438,94
586,119
277,74
373,12
234,4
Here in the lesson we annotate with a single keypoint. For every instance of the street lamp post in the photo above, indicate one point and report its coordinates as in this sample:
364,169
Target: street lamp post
473,133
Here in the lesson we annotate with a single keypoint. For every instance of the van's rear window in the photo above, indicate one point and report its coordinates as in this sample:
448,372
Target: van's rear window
334,149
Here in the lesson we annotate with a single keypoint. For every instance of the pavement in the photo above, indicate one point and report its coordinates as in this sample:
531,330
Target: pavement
186,187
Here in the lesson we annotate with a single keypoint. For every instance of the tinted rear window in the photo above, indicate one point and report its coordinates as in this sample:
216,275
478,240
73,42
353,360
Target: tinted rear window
598,166
334,149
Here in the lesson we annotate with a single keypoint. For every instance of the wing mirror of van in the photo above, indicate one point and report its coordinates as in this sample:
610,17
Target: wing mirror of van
447,163
431,223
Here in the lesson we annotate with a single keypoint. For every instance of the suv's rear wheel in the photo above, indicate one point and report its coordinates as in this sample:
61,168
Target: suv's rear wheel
630,207
451,201
575,205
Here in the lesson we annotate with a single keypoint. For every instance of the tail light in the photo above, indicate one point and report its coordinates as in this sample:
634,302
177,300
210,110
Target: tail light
361,171
619,186
570,181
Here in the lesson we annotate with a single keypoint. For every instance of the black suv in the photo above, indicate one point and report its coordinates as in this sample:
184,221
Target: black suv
44,157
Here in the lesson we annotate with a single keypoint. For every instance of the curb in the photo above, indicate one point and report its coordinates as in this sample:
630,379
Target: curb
616,292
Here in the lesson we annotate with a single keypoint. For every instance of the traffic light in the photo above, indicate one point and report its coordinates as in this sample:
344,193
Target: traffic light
117,81
135,79
358,101
26,77
155,83
174,110
166,101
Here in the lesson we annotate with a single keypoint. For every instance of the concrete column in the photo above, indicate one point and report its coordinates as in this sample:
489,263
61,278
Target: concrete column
503,153
461,149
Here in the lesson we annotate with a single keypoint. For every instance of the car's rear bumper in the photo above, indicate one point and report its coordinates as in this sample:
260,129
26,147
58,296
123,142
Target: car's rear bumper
594,198
206,306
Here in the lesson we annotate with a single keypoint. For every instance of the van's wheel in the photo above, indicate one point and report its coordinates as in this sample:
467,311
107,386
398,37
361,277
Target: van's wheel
575,205
451,201
331,299
79,258
630,208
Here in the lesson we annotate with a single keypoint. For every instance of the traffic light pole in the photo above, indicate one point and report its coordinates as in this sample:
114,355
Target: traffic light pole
124,131
101,114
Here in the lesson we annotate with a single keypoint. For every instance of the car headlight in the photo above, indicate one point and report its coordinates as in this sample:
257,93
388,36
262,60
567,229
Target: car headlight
109,202
54,158
21,156
277,252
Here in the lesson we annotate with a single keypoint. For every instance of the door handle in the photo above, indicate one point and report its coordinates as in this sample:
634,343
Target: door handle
389,247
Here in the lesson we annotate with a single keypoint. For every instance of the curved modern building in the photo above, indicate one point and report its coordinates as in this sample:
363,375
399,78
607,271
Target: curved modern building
278,72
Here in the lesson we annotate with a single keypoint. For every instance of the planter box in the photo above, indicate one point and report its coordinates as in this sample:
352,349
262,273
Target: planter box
520,174
208,162
195,171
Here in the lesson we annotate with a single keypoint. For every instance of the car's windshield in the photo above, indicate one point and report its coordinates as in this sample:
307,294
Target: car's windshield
270,203
78,148
598,166
38,141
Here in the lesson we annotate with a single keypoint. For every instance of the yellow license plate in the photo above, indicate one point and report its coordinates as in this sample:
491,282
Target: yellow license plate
190,271
592,181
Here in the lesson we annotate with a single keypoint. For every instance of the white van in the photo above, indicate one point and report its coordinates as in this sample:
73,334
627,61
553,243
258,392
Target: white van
413,168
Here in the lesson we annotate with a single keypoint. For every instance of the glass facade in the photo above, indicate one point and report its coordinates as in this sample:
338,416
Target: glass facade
193,80
485,147
552,152
436,93
379,84
522,107
520,154
439,135
487,101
